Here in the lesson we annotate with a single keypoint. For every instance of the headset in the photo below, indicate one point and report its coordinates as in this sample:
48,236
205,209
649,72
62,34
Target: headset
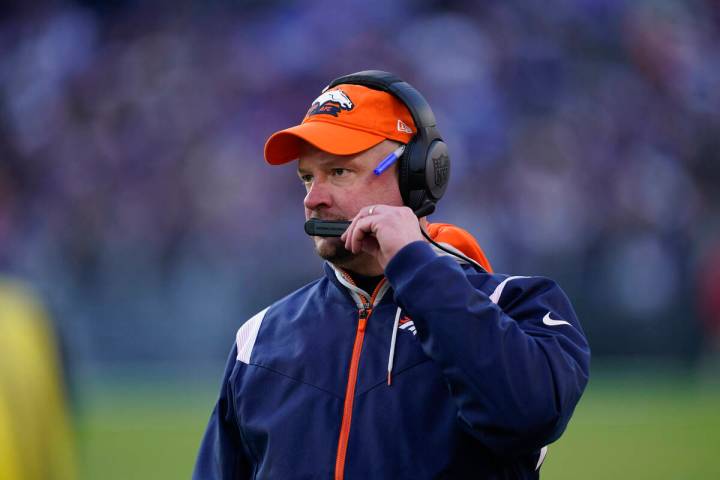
424,167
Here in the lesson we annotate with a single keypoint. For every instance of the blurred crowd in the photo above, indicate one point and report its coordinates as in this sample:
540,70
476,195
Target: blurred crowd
584,138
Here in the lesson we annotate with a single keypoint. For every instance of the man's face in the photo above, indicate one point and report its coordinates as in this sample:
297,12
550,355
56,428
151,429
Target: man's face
339,186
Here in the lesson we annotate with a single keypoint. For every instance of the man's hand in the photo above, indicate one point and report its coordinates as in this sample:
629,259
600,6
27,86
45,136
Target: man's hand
381,231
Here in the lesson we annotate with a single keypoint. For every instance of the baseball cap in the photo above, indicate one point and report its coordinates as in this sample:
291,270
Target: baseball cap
344,120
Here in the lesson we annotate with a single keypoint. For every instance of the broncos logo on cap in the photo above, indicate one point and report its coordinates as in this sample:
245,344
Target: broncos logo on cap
330,103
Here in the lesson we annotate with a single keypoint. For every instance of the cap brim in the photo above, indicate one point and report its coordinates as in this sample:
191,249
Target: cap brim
284,146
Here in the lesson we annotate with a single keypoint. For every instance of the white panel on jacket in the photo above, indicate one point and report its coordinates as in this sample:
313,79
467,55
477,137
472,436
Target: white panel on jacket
246,336
495,296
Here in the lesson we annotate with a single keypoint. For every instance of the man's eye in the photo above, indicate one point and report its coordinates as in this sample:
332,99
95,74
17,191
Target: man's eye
306,178
338,172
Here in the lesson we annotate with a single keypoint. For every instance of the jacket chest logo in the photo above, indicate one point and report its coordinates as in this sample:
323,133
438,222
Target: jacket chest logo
407,325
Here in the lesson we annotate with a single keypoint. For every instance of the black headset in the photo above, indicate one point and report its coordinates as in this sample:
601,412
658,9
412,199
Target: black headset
425,164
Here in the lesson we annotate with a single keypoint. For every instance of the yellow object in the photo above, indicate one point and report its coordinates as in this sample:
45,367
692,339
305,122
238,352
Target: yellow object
35,433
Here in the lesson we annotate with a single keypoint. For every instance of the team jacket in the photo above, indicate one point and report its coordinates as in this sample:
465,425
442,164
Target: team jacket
444,371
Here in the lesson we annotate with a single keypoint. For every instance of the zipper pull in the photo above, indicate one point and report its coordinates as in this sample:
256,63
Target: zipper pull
364,314
365,310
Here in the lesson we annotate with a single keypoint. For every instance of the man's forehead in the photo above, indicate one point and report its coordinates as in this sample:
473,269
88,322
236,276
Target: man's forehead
313,157
310,155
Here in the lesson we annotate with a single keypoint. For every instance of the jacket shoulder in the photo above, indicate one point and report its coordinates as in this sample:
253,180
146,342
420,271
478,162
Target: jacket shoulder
247,334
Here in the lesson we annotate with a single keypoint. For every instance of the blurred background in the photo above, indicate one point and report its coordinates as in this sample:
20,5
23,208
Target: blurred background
138,218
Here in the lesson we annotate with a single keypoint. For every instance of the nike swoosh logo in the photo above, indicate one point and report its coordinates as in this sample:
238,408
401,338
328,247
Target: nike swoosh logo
553,323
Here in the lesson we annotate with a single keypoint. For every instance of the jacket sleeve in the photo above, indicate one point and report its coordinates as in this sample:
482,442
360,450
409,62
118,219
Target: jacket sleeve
222,454
512,351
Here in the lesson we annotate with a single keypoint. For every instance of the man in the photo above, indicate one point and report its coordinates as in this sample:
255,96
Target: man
403,361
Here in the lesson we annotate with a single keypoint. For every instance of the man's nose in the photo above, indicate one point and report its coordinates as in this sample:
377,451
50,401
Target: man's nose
318,196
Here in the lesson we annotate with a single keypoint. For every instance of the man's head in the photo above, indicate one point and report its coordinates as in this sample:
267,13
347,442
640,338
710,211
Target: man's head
346,132
338,186
360,118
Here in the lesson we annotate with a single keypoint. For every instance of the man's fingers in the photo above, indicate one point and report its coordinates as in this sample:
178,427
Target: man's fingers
362,227
381,231
345,237
350,233
370,245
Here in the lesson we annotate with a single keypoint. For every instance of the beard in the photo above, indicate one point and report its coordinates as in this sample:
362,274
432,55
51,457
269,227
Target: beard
333,250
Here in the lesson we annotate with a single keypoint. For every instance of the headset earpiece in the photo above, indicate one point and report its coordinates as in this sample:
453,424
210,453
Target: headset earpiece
424,167
437,169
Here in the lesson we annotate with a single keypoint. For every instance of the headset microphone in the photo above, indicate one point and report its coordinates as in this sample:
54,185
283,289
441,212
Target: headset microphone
335,228
326,228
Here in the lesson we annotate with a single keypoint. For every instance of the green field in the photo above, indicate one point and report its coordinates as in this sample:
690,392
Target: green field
641,428
633,427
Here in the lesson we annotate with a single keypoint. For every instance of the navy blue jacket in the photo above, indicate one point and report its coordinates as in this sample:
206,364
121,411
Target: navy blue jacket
486,371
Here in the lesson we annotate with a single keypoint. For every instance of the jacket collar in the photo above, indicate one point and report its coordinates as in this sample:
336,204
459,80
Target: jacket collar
343,281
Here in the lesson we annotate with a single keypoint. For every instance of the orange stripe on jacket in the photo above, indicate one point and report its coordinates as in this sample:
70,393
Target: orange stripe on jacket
460,239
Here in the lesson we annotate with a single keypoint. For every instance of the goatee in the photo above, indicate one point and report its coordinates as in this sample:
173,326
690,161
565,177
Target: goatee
333,250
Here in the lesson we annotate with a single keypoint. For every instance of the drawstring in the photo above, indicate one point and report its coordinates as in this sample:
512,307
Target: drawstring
391,357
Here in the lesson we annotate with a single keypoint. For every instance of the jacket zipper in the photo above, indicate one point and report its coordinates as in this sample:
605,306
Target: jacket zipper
363,315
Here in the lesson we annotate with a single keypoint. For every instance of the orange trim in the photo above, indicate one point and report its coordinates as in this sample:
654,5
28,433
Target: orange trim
349,397
364,315
460,239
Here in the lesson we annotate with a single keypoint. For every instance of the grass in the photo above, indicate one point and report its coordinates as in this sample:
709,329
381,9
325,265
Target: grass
142,433
642,429
631,427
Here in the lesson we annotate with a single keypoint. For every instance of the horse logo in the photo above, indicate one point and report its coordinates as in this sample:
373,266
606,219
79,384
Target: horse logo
331,102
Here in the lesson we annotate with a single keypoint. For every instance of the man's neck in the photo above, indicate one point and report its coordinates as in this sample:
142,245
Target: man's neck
366,283
362,265
364,270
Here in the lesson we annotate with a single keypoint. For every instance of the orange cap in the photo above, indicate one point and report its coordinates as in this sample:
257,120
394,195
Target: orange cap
344,120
